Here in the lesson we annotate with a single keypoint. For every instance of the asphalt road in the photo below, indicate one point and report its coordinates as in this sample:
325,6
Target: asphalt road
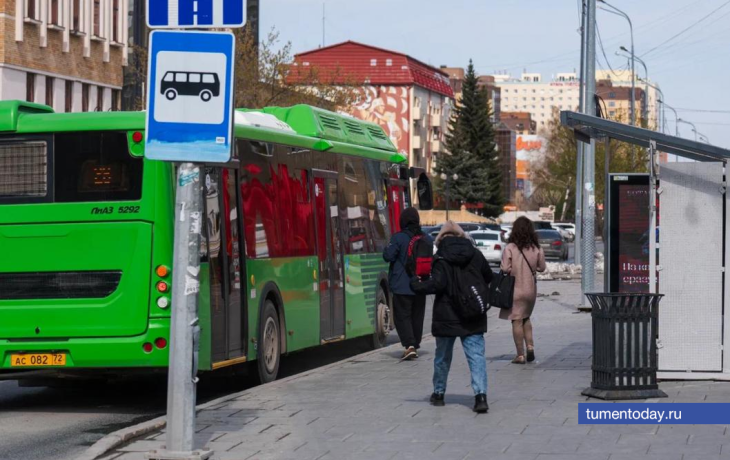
50,423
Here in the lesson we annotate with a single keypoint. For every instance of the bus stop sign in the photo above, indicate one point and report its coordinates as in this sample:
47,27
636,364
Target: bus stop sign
190,96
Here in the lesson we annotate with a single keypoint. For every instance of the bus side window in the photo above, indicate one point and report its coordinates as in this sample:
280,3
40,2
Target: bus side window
259,200
353,202
295,217
377,205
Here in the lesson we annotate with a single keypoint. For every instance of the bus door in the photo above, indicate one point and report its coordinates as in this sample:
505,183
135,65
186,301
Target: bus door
223,241
397,201
330,256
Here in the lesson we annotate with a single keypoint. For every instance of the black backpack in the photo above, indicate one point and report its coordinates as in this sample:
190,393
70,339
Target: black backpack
419,259
470,293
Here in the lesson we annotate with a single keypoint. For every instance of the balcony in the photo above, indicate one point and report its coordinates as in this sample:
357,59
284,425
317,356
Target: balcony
417,144
416,113
435,120
435,146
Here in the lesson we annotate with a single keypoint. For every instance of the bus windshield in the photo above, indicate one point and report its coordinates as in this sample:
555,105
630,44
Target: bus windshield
69,167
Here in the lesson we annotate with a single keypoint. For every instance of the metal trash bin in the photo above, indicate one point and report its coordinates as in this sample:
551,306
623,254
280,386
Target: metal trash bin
624,346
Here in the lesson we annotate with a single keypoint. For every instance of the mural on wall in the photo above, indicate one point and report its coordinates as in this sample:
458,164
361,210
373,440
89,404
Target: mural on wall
388,107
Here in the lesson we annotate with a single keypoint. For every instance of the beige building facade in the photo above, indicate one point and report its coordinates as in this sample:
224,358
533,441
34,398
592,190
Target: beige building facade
68,54
532,93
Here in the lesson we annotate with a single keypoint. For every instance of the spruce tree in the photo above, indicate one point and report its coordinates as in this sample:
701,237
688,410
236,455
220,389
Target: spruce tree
471,151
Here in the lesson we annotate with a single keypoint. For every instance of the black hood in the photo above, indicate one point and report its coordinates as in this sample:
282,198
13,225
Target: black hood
457,251
409,219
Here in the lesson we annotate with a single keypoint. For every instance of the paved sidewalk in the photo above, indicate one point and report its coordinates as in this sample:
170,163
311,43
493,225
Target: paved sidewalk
375,407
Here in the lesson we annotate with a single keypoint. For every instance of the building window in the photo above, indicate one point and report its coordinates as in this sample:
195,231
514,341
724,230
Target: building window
612,95
55,4
373,62
99,99
612,104
115,21
97,14
76,15
69,96
116,98
612,113
84,97
31,9
389,62
30,87
50,81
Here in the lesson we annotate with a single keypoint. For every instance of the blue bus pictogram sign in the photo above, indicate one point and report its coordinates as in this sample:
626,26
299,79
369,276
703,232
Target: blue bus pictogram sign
190,96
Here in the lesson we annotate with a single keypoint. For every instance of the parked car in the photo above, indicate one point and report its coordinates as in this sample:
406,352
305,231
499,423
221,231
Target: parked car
568,227
490,243
552,244
564,233
507,231
542,225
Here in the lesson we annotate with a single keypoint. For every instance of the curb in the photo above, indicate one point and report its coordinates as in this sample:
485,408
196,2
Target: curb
116,438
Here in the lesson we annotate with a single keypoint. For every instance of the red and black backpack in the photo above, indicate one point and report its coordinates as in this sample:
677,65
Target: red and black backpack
419,259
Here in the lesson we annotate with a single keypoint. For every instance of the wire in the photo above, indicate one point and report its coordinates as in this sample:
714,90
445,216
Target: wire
701,110
603,50
688,28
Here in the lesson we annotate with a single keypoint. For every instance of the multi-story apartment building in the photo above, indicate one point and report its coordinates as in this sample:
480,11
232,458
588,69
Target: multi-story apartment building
68,54
519,122
531,93
411,100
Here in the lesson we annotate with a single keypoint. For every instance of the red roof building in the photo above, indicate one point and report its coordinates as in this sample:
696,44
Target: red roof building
411,100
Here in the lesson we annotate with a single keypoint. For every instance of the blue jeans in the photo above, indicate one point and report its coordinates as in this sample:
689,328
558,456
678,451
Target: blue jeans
473,349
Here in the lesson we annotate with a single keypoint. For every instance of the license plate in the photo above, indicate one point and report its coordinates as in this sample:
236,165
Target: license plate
37,359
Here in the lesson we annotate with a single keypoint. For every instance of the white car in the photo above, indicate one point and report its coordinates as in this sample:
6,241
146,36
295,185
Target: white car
507,231
490,243
567,230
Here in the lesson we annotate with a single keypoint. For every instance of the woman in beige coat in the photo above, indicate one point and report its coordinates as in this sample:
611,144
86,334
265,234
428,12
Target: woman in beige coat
522,258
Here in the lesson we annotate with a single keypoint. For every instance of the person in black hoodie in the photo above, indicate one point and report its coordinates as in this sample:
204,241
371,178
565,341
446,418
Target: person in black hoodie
409,308
455,250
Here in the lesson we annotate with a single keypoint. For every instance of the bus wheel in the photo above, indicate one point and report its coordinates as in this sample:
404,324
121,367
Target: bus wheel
170,94
206,95
269,346
382,319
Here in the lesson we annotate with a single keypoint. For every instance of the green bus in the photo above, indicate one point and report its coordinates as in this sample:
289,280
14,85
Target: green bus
294,228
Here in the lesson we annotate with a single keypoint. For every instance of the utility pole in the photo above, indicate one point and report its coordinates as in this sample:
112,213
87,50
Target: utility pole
252,20
323,24
589,166
578,241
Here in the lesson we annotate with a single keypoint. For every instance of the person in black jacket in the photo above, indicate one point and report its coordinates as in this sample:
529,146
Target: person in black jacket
409,308
455,250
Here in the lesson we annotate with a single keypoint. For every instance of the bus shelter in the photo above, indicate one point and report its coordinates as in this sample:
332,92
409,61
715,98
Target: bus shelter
690,252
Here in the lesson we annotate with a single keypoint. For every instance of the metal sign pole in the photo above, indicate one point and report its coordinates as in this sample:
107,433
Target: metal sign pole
589,171
184,329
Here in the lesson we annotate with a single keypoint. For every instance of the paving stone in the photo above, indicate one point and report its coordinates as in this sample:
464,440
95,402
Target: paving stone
375,407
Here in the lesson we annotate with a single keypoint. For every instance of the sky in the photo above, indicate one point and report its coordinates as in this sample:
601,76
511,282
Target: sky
693,69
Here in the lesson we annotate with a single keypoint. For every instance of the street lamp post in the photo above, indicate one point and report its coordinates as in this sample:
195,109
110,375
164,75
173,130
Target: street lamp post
660,100
676,117
645,109
694,128
633,56
446,178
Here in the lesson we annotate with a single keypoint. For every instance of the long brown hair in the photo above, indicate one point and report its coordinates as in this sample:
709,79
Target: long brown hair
523,234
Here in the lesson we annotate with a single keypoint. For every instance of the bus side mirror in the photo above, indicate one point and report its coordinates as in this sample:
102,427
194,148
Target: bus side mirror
425,193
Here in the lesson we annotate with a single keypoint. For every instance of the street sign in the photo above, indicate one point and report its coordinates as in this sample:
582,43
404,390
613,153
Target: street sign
190,96
182,14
